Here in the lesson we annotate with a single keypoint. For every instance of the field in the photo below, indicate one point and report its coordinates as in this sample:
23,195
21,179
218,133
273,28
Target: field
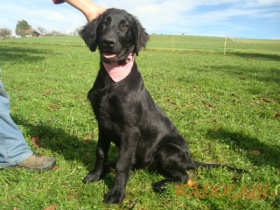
175,42
226,106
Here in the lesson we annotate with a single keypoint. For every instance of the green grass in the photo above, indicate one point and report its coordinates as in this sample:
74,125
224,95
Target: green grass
227,107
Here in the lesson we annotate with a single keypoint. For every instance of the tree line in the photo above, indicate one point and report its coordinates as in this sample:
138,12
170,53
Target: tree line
23,29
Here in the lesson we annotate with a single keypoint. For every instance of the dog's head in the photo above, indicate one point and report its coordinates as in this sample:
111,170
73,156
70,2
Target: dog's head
116,33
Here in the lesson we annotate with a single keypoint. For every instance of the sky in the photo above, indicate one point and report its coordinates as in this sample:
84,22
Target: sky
254,19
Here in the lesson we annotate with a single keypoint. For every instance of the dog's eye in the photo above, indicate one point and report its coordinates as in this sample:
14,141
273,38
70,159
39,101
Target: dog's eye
124,26
106,22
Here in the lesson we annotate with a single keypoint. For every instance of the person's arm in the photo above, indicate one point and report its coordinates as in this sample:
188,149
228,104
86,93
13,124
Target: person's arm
87,7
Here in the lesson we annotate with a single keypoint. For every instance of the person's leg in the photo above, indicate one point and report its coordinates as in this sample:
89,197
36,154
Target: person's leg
13,147
14,150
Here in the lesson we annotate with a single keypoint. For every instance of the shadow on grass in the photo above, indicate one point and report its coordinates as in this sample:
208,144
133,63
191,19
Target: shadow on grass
21,54
269,154
263,56
70,146
270,75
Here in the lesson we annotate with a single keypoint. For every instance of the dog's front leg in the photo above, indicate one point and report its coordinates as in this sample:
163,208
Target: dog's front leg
101,157
128,146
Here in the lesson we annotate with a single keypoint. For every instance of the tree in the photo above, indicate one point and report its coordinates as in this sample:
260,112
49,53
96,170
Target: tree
42,30
76,31
21,27
5,33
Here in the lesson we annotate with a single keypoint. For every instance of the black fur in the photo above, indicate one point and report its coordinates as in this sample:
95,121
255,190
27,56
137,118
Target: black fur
127,114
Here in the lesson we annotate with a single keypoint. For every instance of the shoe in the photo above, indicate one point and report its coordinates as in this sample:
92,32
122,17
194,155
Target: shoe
37,163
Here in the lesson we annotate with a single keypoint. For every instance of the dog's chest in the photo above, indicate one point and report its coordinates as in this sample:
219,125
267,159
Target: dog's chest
108,109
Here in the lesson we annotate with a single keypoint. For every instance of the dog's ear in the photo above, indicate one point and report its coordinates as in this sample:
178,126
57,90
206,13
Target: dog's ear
140,35
89,33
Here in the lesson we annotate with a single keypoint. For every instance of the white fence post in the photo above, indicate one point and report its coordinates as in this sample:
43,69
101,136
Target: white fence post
225,48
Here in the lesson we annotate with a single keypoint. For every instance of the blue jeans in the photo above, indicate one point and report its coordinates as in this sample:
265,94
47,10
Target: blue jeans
13,147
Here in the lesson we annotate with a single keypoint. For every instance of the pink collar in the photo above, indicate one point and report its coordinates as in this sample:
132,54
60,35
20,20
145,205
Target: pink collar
118,72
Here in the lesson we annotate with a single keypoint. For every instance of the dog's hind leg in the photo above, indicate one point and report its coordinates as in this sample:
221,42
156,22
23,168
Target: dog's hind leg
171,162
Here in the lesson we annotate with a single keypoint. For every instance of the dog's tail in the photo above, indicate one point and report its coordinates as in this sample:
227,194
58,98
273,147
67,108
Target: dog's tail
196,164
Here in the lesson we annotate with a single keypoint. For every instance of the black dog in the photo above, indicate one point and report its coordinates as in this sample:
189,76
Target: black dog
125,111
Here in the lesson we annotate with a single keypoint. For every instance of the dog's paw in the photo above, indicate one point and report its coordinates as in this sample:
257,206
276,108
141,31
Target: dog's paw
91,178
114,197
159,187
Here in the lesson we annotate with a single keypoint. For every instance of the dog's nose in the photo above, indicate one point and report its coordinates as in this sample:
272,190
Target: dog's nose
108,42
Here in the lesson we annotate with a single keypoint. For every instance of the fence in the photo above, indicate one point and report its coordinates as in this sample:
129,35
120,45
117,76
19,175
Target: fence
172,42
224,44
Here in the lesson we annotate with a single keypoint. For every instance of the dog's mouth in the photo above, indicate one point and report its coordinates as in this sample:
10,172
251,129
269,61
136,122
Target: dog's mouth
119,57
115,58
109,55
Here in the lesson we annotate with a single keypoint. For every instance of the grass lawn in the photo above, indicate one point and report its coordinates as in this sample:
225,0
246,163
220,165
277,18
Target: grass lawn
226,107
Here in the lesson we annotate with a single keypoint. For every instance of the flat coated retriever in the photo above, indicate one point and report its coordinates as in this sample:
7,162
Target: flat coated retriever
126,112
